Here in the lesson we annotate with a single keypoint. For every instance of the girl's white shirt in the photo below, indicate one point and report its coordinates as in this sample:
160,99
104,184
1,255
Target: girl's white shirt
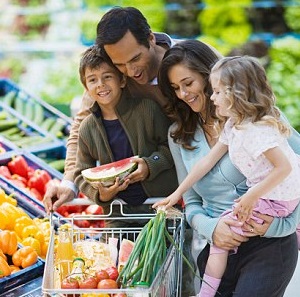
246,147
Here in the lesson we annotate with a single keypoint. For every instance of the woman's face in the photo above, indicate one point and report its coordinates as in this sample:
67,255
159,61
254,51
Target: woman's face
188,86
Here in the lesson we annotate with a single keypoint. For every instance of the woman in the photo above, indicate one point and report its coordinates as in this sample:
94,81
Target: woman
183,78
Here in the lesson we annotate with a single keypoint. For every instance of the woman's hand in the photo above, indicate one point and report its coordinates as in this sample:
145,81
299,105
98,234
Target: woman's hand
252,228
224,237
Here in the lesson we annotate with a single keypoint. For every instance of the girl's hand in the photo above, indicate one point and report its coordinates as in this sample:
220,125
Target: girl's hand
108,193
244,207
167,202
141,173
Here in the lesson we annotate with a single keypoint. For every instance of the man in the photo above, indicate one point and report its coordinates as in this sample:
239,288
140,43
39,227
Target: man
125,36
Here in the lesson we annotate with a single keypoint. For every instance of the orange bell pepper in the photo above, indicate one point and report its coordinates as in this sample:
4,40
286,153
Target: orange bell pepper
8,242
25,257
4,268
3,220
2,255
14,269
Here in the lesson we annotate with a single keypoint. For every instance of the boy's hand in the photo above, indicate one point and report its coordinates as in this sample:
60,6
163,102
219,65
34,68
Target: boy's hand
108,193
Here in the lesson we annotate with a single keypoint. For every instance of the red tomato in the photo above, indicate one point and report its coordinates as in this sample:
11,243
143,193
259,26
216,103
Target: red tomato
69,283
102,274
112,272
107,284
88,283
94,209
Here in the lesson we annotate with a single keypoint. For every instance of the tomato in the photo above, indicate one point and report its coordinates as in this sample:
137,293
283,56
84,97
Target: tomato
88,283
94,209
107,284
102,274
112,272
69,283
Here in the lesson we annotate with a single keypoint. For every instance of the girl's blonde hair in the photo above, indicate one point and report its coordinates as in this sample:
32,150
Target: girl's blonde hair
248,92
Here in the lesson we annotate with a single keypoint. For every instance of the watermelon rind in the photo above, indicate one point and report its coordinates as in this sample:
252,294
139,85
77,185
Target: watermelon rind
107,173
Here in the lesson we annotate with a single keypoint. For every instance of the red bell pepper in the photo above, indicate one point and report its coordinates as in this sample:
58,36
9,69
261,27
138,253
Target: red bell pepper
39,180
36,194
18,165
4,171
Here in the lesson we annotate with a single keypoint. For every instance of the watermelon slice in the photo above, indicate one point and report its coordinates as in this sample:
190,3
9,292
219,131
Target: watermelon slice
108,173
125,250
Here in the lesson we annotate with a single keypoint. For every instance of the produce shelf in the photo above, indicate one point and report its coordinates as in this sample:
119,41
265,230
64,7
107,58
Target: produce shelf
37,112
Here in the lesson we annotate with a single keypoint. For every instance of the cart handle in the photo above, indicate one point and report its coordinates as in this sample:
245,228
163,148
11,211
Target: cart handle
86,201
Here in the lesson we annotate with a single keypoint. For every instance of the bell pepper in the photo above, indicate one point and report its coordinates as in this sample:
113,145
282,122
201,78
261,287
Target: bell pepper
12,213
6,198
14,269
4,268
8,242
25,257
34,243
39,180
21,223
18,165
2,255
36,194
4,171
3,220
33,231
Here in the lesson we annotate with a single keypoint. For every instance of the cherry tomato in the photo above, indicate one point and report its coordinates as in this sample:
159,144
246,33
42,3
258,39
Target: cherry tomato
107,284
69,283
102,274
88,283
112,272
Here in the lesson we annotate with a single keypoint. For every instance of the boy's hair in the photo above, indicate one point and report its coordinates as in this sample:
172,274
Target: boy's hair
93,58
248,91
118,21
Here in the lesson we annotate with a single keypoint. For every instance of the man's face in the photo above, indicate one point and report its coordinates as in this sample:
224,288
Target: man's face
133,59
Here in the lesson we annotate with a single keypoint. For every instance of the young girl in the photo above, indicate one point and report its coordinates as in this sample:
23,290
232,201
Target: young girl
255,138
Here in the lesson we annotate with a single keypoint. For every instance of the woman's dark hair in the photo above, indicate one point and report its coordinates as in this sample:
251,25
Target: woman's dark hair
118,21
196,56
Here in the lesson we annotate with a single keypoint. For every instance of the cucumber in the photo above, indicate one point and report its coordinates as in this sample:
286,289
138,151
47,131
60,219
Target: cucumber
9,98
57,127
6,124
58,164
19,106
38,113
3,115
48,123
29,112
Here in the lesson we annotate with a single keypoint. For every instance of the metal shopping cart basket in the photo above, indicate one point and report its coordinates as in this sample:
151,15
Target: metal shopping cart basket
168,280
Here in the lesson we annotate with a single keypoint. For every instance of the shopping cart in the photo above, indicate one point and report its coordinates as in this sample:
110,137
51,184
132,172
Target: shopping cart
168,280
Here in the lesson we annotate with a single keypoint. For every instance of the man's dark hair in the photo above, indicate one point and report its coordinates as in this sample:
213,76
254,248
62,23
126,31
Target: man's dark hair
118,21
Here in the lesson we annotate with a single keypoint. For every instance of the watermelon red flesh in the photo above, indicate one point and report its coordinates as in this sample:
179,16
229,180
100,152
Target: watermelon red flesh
111,170
126,248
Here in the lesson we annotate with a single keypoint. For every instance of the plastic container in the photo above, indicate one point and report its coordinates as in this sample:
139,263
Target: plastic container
26,104
33,162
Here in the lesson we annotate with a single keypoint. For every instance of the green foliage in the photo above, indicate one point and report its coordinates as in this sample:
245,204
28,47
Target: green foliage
227,21
62,83
283,74
12,67
89,22
292,16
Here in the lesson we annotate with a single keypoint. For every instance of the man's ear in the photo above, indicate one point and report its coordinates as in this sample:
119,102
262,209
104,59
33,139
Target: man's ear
123,81
152,39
